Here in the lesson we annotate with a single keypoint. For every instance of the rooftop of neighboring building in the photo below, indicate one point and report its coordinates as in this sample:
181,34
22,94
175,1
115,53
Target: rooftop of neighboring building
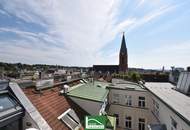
178,102
126,85
95,91
51,104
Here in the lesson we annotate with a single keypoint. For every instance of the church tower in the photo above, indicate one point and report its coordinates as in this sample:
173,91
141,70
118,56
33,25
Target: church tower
123,57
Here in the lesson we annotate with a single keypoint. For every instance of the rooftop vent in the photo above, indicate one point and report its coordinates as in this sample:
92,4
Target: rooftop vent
183,84
99,86
81,81
65,88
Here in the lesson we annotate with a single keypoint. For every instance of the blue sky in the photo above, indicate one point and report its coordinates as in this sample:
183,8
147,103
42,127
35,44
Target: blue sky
86,32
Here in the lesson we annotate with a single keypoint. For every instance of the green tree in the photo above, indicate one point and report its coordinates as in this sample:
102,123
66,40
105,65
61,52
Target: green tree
134,76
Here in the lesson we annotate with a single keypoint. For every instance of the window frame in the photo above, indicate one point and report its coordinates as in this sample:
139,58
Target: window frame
141,124
128,99
116,98
71,115
128,122
141,102
117,119
156,107
173,124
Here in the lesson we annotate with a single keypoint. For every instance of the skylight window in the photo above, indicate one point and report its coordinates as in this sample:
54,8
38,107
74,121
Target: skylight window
6,102
70,118
11,111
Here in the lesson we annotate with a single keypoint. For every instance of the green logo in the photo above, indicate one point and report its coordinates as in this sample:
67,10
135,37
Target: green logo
95,122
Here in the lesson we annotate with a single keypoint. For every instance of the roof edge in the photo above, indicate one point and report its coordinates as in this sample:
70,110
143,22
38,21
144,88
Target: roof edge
169,106
29,107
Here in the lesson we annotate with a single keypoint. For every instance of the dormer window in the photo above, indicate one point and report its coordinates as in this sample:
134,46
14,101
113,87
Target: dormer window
70,118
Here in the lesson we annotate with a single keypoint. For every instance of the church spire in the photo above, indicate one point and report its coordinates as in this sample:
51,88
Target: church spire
123,48
123,56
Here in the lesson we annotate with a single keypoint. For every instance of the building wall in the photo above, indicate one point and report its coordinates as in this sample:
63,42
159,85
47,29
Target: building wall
134,111
91,107
165,115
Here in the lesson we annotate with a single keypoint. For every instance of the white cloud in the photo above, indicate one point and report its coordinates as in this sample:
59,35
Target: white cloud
151,16
76,30
82,27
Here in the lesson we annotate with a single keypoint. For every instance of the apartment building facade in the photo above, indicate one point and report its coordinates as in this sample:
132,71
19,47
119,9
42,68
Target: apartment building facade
150,106
130,103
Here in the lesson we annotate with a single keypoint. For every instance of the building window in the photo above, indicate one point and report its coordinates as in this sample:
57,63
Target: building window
128,100
128,122
115,98
155,108
173,124
117,119
70,118
141,124
141,101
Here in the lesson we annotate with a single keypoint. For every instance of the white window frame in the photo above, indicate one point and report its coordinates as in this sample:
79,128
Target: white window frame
141,102
141,124
117,119
71,115
155,108
128,99
116,98
128,120
173,124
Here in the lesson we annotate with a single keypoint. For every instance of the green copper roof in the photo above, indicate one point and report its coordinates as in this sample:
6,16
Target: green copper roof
91,91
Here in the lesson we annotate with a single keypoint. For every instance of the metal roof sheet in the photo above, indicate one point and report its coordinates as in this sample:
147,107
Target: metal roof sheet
178,102
92,91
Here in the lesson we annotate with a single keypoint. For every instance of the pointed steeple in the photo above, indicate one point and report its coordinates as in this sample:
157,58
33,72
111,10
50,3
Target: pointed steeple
123,48
123,56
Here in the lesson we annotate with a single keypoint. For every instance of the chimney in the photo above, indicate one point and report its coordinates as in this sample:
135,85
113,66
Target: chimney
188,68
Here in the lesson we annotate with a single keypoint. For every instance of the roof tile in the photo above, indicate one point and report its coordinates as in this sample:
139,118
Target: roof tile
50,105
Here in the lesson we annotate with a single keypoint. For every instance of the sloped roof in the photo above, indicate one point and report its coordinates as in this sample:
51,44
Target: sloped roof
51,104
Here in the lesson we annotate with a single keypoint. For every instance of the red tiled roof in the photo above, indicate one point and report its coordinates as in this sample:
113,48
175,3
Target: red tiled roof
51,105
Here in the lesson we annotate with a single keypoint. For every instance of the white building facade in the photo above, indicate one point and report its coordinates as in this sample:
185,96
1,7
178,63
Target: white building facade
141,107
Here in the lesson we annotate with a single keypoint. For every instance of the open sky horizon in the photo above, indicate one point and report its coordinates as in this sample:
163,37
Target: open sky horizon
85,32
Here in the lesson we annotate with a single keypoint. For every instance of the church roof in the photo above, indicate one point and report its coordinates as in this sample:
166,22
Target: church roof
123,48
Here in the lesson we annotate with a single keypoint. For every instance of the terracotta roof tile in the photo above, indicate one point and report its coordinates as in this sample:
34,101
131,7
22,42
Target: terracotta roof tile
51,105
